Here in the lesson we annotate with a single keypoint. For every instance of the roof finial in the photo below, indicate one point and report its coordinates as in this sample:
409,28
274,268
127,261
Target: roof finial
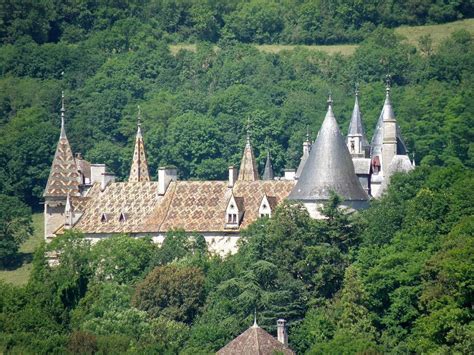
255,325
307,134
388,81
330,99
63,110
248,130
357,90
139,117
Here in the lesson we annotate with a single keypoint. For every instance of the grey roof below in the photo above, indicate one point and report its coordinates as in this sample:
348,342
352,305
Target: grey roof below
328,168
362,165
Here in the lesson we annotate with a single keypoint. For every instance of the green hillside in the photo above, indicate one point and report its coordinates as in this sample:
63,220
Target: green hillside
438,33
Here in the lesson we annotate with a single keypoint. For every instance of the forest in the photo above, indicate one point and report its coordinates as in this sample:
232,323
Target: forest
396,278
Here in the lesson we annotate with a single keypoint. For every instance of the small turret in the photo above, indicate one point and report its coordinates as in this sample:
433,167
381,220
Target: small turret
304,157
268,171
248,167
139,169
356,140
389,141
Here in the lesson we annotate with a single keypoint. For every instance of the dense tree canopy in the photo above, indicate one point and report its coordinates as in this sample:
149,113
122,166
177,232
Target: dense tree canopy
396,278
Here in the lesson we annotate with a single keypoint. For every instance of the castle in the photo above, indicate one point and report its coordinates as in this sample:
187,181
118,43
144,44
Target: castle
86,197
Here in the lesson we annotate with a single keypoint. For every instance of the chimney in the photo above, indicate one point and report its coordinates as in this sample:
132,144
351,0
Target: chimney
165,176
290,174
96,173
282,333
106,179
232,175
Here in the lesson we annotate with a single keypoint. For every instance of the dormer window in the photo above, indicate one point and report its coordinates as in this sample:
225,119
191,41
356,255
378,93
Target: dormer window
122,217
234,212
103,218
266,206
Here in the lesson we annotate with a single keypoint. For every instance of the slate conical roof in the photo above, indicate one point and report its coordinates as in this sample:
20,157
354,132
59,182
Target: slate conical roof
356,128
386,114
256,341
139,169
64,177
248,168
329,167
268,171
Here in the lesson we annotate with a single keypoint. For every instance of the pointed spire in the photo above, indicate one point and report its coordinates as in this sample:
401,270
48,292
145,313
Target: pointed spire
63,111
64,177
356,127
248,167
139,169
268,171
329,167
68,208
388,114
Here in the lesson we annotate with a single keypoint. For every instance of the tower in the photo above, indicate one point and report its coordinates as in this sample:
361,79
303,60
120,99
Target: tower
356,140
304,157
63,181
329,168
389,134
139,168
268,171
248,167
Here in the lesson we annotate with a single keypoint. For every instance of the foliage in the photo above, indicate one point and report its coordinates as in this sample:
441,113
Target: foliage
15,227
172,291
121,259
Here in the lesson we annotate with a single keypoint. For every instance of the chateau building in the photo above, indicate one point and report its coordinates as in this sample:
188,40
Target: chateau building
86,197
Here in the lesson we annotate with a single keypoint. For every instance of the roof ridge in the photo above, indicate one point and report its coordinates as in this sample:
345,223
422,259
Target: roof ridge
173,184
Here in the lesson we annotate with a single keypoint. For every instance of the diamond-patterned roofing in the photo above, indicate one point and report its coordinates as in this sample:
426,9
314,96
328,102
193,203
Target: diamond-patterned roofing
255,341
136,199
63,177
195,206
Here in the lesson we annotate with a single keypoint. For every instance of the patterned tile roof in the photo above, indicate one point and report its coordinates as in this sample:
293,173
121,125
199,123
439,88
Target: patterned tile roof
195,206
256,341
135,199
64,176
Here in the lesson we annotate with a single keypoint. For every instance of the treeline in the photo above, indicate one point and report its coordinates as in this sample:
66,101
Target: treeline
256,21
394,279
195,106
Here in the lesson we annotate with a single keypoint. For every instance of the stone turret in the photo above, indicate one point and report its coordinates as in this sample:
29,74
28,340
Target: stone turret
389,134
304,157
139,168
64,179
329,168
268,171
387,147
356,140
248,167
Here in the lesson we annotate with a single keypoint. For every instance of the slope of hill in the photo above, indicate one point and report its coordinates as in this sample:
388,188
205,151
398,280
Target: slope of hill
413,34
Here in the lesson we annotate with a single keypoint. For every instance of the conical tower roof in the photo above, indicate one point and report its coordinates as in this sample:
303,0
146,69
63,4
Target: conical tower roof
329,167
356,128
64,177
268,171
387,114
139,169
248,167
